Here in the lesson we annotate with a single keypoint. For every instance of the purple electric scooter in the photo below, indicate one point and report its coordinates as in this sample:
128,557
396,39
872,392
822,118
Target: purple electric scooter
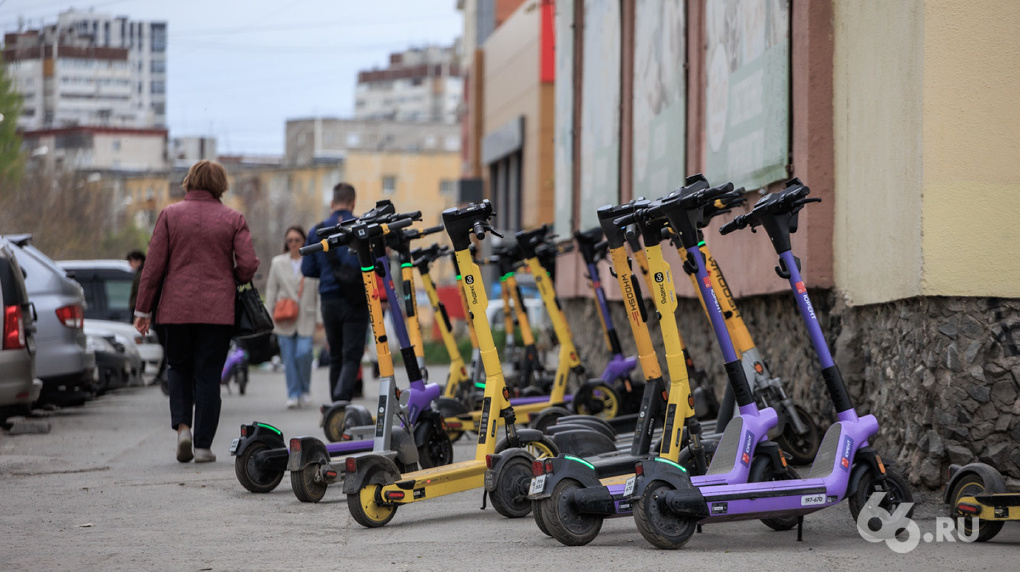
575,515
262,454
668,506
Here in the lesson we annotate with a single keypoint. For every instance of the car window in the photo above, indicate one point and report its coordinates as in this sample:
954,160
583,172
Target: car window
118,294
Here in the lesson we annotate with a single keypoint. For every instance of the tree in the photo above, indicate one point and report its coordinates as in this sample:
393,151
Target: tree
11,156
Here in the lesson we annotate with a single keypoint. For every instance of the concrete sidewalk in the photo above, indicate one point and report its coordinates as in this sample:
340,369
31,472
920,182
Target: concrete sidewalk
103,491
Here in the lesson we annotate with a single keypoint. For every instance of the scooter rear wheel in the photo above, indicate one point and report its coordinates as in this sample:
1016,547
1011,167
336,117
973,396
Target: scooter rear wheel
563,522
656,524
510,498
895,487
306,487
253,477
802,448
769,474
536,511
539,449
970,485
366,512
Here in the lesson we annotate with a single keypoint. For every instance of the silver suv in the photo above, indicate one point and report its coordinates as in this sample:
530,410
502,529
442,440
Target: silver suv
18,385
63,362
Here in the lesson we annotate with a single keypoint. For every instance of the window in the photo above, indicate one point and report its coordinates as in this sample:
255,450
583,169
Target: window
159,37
158,87
389,184
447,187
118,293
158,66
353,139
116,144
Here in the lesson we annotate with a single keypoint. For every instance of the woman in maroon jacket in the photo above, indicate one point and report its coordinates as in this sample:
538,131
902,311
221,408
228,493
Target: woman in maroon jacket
198,248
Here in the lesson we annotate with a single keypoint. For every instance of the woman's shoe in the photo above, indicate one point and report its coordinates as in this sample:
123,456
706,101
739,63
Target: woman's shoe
204,456
292,403
184,453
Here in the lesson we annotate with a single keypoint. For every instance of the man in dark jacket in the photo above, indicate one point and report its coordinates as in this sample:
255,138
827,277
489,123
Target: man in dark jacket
344,307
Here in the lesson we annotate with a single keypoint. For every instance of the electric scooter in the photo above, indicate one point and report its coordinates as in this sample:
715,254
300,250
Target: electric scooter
337,417
262,456
235,367
977,494
574,513
668,506
375,486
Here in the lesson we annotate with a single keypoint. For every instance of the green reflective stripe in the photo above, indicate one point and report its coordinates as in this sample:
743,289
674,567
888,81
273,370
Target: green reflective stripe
367,268
271,428
480,385
661,460
406,265
507,275
582,461
702,243
457,277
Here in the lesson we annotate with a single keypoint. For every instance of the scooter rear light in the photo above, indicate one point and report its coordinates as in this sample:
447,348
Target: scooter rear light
394,495
548,465
295,445
330,474
14,328
537,468
488,461
454,425
639,468
351,465
968,508
244,430
72,316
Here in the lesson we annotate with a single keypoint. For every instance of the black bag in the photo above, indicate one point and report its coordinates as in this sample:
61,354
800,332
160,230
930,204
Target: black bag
251,318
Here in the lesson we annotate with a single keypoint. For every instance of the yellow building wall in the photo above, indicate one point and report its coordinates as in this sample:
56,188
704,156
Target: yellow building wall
877,92
926,159
971,150
418,181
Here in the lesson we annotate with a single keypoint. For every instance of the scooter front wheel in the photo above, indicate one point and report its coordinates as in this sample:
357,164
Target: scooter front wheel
802,448
308,484
437,450
656,524
253,477
972,484
598,399
562,520
510,498
333,425
894,486
366,511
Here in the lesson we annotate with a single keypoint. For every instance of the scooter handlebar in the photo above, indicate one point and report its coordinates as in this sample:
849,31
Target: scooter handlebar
311,249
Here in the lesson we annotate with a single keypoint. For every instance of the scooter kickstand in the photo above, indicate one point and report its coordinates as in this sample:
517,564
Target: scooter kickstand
699,529
484,500
800,528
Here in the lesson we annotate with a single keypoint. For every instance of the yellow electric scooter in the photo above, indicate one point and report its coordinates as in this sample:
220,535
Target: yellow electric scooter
374,485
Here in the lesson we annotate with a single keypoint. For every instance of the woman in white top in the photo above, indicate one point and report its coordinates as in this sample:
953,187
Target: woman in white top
294,334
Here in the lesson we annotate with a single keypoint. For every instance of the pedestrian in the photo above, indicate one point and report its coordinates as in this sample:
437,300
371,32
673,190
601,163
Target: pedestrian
200,249
343,302
136,258
293,299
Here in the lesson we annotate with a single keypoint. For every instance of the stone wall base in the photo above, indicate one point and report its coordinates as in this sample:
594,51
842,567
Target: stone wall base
941,374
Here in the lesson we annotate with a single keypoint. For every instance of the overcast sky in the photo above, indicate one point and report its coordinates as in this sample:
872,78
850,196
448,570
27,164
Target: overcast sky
238,69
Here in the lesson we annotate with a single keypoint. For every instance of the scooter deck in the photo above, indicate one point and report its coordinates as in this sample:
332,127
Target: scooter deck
1000,506
521,411
439,481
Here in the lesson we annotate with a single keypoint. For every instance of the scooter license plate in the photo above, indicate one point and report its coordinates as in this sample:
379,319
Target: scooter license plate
629,488
490,481
537,485
233,445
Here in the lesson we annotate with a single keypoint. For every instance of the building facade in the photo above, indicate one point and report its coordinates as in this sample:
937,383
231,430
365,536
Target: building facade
420,84
329,138
85,148
873,106
90,69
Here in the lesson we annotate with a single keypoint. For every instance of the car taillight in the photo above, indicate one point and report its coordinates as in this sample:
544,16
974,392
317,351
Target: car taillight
14,328
72,316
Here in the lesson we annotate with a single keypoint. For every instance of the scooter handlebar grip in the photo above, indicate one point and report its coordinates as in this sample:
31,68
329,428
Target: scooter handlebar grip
312,248
733,225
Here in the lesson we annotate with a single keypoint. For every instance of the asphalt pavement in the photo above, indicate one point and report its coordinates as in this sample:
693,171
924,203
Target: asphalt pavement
103,491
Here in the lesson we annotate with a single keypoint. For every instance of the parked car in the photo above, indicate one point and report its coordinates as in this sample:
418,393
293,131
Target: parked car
107,287
18,385
118,363
63,362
